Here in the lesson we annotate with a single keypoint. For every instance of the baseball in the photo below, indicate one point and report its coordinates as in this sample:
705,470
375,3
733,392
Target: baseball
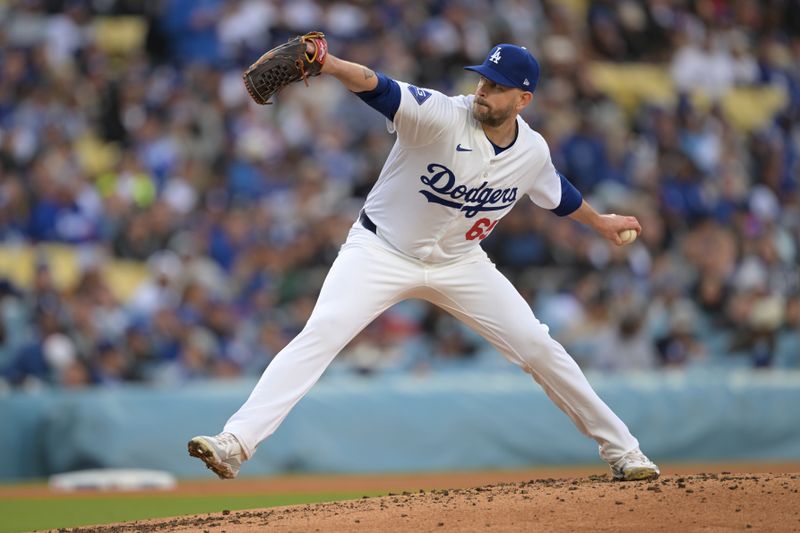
627,236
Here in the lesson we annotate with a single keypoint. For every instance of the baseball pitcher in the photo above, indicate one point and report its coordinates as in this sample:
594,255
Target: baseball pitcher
458,165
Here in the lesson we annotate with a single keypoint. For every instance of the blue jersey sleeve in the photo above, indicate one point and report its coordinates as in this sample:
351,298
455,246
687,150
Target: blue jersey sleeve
385,97
571,198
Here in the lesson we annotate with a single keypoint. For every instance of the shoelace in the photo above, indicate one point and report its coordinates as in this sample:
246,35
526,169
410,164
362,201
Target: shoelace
227,440
637,456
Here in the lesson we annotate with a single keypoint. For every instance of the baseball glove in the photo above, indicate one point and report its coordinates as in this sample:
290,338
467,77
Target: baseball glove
285,64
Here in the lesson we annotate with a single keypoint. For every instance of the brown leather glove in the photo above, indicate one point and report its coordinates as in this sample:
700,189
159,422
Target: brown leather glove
287,63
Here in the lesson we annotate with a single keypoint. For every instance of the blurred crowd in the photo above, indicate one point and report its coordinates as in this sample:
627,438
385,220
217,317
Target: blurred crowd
239,210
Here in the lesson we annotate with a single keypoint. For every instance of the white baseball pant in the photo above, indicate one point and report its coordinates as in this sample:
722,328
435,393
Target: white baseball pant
369,276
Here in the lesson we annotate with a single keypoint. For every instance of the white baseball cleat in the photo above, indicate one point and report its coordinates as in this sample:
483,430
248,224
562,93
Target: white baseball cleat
222,453
634,466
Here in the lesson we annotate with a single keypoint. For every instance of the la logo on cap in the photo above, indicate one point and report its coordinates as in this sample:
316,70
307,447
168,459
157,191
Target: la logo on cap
495,57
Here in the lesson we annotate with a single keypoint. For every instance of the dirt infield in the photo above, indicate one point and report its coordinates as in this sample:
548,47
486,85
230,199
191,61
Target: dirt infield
720,500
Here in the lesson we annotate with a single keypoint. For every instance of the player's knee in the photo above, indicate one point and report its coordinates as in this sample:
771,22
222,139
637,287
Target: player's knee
536,339
534,347
328,326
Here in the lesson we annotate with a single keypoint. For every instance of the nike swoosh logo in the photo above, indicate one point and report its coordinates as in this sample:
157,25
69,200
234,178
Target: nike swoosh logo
460,148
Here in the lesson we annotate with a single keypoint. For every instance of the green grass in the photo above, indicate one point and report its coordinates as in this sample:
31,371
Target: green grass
28,514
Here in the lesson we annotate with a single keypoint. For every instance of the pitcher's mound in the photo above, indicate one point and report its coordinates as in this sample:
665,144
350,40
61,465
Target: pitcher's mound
717,502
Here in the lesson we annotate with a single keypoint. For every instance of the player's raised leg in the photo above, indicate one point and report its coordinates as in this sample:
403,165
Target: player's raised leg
365,279
475,292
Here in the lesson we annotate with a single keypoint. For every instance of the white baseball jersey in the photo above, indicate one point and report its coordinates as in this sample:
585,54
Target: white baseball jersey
442,188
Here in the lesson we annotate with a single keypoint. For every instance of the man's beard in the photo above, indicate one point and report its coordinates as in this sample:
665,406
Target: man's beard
489,117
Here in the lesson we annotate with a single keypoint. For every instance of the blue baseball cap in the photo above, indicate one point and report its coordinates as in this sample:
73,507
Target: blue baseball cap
510,65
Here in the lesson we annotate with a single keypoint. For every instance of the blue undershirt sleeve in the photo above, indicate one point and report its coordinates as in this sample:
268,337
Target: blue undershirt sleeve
385,97
571,198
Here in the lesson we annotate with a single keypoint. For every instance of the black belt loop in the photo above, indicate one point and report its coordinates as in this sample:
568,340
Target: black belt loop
367,222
